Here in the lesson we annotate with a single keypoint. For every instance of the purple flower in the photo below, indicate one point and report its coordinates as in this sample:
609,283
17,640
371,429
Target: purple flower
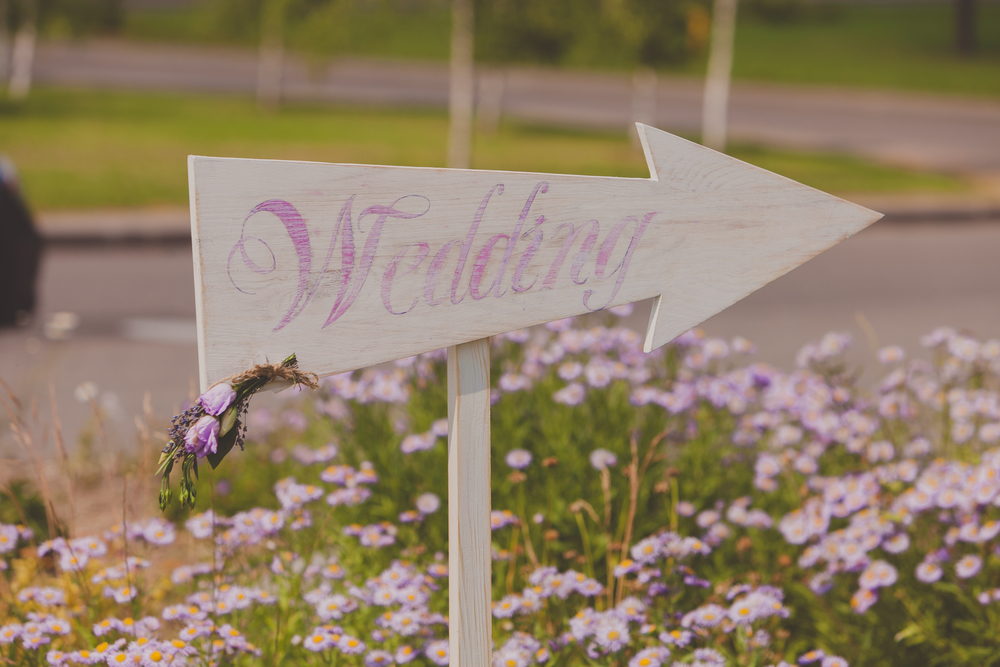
216,400
863,599
438,652
571,394
351,645
602,458
378,658
928,572
201,438
611,633
318,641
428,503
518,458
968,566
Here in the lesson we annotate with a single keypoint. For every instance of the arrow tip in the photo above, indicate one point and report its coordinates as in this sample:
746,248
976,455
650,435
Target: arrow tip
774,225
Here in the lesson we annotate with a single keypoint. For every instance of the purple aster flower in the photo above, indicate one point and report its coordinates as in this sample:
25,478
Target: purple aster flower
428,503
201,438
928,572
418,442
320,640
351,645
834,661
707,616
863,599
708,657
8,537
611,632
55,657
602,458
438,652
812,656
217,399
518,458
650,657
571,394
506,607
878,573
378,658
10,632
405,654
968,566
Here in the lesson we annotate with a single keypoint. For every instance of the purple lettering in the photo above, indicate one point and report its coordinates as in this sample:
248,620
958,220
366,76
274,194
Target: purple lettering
297,232
581,256
479,268
390,274
467,244
528,254
382,213
434,270
604,254
542,187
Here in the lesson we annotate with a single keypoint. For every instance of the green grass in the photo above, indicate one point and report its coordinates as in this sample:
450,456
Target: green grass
99,149
880,46
898,46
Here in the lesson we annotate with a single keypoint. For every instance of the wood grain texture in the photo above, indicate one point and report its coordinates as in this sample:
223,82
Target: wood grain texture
469,533
349,266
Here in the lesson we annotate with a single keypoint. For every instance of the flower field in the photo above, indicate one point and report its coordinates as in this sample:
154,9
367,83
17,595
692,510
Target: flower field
685,507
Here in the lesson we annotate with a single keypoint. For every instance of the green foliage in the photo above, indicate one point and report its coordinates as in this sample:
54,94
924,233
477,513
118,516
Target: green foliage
589,33
71,18
19,501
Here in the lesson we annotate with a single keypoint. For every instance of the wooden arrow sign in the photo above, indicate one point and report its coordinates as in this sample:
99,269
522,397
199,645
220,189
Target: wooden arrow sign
350,265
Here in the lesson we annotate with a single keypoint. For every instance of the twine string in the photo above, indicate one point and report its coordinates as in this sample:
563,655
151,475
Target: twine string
264,374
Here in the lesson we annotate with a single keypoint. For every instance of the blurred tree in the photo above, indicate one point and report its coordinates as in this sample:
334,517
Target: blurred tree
646,32
965,27
310,26
75,18
4,40
54,18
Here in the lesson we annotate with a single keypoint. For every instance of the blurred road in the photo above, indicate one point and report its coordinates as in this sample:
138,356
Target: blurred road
136,328
941,133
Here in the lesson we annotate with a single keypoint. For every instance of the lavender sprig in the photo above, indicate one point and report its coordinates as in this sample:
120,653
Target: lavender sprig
216,423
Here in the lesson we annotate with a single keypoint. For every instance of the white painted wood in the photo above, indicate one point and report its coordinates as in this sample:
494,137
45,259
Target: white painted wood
715,109
350,266
470,630
461,93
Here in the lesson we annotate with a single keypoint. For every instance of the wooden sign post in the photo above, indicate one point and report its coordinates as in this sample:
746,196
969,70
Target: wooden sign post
349,266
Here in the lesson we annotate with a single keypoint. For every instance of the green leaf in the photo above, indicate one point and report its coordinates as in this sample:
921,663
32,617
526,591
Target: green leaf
228,420
907,632
226,443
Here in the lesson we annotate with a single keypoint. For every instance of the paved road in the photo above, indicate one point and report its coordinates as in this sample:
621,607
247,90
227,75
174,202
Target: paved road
137,333
952,134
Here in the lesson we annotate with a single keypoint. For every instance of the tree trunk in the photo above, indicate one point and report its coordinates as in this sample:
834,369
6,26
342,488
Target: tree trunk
4,42
720,66
965,27
460,87
643,101
272,53
22,59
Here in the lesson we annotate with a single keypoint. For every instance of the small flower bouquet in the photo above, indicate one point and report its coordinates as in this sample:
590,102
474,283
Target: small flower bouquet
215,423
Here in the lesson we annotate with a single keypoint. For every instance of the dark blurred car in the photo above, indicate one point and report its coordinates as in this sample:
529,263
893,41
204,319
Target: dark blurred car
20,251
